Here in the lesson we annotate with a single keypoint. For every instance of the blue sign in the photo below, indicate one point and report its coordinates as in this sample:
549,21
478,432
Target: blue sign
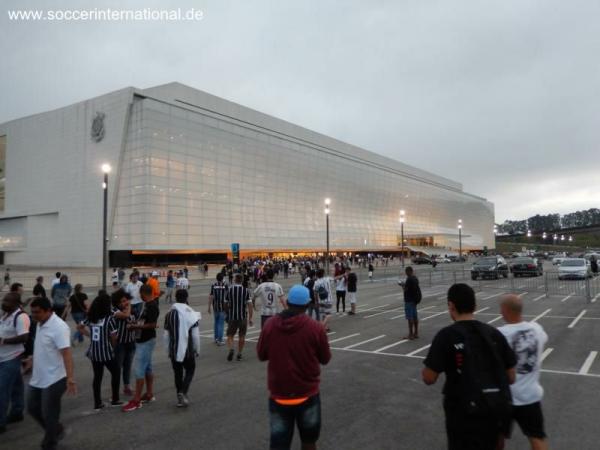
235,248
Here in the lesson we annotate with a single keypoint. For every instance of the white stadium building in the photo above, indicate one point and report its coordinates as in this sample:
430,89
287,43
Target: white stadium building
193,173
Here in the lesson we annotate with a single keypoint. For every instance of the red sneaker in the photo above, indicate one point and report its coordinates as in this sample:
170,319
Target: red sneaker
132,405
148,398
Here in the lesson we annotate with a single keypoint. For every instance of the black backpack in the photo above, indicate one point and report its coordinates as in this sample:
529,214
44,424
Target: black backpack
418,294
323,293
484,393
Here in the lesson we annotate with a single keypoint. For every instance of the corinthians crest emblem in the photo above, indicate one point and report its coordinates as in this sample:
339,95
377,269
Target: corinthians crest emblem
98,127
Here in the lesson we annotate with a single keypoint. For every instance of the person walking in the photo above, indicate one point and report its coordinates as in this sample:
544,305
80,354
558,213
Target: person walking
313,306
527,339
323,295
239,313
182,281
155,285
412,297
125,348
133,289
479,366
182,336
38,289
14,333
170,284
145,329
352,282
295,346
216,305
60,296
78,309
371,269
52,372
270,296
100,326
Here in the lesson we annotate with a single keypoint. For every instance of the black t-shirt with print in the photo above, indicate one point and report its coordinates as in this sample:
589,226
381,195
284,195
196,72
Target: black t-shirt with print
77,302
447,354
149,315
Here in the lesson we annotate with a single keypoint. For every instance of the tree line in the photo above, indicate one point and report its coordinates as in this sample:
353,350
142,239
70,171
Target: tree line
551,222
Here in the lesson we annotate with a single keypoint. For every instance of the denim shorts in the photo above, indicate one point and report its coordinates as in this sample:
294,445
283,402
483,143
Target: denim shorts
142,365
307,416
410,311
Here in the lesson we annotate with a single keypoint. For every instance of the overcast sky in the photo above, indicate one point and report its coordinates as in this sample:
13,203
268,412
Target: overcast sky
502,96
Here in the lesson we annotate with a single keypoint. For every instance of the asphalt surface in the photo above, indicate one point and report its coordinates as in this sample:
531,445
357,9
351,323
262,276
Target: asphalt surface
372,394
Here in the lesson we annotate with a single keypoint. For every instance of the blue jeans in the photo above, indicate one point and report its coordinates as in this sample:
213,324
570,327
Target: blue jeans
219,325
143,358
78,317
307,416
12,391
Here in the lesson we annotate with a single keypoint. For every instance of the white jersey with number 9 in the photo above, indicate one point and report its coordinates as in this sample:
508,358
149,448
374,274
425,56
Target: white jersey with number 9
268,294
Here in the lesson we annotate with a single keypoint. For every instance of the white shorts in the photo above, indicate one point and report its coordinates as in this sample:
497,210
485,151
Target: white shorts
351,296
370,274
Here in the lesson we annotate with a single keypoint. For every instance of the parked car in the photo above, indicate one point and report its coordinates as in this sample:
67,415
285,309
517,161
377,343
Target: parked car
421,260
574,269
557,260
442,259
455,258
489,267
532,267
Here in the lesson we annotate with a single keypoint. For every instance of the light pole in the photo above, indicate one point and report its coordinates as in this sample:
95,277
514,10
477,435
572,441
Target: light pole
460,240
106,169
528,233
327,211
554,238
570,238
544,235
402,218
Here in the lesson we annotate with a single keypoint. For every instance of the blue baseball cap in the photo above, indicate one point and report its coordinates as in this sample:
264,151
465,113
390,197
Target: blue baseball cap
298,295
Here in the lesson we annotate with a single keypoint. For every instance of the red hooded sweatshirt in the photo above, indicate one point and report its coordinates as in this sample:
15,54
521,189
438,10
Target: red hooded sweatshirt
295,345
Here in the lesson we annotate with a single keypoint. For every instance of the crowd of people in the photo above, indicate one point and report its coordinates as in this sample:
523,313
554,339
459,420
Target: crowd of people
492,376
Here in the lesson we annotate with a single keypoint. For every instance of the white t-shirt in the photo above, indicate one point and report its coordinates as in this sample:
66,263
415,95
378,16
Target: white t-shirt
182,283
268,293
55,281
326,282
133,289
9,330
340,284
48,365
527,340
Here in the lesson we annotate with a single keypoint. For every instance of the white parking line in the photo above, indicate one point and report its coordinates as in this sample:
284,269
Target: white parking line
537,298
252,332
345,337
585,368
545,354
395,294
521,287
364,342
595,298
522,294
492,296
390,346
362,305
482,309
567,298
419,350
541,315
330,333
434,315
382,312
494,320
374,307
579,316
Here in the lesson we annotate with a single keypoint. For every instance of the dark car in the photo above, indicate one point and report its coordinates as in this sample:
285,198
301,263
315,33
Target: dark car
521,267
421,260
489,267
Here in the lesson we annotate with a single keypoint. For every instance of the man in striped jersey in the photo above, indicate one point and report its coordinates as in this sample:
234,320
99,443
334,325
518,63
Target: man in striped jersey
125,348
183,343
216,302
239,313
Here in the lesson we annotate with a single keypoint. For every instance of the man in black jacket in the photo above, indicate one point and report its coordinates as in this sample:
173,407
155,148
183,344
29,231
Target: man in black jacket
412,296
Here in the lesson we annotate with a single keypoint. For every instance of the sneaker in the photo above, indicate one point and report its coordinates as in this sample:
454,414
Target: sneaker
230,355
116,403
220,343
350,313
180,400
239,357
148,398
99,407
186,401
127,391
132,405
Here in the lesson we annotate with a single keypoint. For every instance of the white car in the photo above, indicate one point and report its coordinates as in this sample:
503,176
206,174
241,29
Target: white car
441,259
557,260
574,268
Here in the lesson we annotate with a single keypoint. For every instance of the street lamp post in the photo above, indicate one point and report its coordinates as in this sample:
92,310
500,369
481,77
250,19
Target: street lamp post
460,240
106,169
327,211
402,218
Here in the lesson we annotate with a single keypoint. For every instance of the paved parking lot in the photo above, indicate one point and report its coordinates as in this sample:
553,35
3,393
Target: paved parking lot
372,394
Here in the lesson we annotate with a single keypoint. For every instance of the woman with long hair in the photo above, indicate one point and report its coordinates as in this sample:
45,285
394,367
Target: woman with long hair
125,348
101,327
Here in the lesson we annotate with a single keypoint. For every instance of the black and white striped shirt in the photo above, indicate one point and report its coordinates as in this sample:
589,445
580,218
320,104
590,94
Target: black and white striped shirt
218,291
172,327
101,349
124,336
237,300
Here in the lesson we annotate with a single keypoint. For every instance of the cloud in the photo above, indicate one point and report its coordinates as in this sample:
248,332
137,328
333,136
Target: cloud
504,98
